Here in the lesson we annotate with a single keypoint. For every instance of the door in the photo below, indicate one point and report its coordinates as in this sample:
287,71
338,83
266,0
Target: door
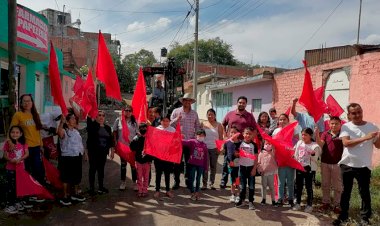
223,104
338,85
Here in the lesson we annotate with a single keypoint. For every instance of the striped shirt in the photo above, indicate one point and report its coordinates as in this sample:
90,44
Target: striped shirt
189,122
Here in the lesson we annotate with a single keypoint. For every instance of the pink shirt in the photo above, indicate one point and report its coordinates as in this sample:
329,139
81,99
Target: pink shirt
16,153
267,163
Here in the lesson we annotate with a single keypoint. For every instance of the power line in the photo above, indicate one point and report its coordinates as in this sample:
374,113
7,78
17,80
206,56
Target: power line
217,3
315,32
187,15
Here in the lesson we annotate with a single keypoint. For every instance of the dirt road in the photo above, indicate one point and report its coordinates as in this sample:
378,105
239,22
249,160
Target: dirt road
124,208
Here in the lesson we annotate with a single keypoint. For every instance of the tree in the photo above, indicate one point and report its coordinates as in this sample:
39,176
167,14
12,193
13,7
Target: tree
212,51
132,63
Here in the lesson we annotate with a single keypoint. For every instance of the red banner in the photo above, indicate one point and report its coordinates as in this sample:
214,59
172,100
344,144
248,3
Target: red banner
31,29
52,174
164,145
26,185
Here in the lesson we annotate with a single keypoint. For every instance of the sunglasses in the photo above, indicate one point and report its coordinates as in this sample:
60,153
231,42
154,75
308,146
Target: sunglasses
128,110
101,115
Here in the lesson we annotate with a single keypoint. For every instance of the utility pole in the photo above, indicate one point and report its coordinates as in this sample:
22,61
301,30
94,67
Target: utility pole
12,58
360,15
195,69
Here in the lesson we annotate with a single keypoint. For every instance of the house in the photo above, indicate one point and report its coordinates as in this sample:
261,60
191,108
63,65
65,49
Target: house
32,60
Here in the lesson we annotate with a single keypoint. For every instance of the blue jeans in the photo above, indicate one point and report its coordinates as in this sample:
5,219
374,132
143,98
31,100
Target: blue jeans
245,175
195,174
33,164
286,176
225,172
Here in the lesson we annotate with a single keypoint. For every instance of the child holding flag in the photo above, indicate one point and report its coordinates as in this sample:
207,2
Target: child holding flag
14,156
248,167
304,150
163,166
70,161
267,166
197,162
232,158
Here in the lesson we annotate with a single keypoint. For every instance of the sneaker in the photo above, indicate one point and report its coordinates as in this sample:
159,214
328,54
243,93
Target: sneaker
239,204
27,205
324,207
338,222
222,186
296,207
78,198
291,203
35,199
169,194
364,222
212,187
193,197
279,202
19,206
135,188
232,199
237,199
11,210
263,202
308,209
103,190
251,206
156,195
122,186
65,201
274,203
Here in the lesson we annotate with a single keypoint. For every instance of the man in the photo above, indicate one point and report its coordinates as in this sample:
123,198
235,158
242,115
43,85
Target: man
305,120
189,122
240,118
332,149
358,137
159,91
273,119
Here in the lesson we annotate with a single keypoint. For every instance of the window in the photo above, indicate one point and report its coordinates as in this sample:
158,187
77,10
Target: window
223,99
256,105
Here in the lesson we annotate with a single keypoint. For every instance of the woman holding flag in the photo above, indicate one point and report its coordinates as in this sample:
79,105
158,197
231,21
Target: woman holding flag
124,130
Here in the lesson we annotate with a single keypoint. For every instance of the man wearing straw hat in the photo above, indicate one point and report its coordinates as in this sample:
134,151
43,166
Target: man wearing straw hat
189,122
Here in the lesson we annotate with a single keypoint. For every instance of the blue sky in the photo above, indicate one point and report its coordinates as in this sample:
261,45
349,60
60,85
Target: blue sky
265,32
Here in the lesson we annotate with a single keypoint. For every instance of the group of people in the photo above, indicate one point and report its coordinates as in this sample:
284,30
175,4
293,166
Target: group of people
344,152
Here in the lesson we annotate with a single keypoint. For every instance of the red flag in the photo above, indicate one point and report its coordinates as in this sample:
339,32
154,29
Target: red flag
286,134
308,99
125,153
334,108
275,182
52,174
219,144
319,97
164,145
244,154
88,103
287,112
78,85
55,81
27,186
124,125
139,103
105,70
284,153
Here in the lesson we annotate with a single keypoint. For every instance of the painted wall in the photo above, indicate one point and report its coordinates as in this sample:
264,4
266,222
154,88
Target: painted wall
204,101
261,90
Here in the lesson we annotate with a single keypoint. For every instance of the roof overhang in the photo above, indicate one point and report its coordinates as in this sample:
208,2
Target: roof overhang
241,81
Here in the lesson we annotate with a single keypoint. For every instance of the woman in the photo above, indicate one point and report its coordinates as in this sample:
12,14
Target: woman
29,120
100,140
264,122
214,131
117,129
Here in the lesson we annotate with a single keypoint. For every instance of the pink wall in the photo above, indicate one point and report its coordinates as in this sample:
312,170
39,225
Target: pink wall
261,90
364,85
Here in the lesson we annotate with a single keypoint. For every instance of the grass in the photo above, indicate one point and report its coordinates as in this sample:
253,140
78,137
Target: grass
355,201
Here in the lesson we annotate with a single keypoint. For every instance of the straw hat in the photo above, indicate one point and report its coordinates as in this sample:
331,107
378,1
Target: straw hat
187,96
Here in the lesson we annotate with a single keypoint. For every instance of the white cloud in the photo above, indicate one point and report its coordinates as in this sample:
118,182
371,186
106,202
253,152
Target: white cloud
373,39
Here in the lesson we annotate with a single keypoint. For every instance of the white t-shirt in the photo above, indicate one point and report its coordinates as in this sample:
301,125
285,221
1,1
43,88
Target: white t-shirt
359,155
303,154
249,148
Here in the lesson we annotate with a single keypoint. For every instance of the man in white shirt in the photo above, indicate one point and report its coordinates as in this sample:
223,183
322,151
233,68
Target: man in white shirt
358,137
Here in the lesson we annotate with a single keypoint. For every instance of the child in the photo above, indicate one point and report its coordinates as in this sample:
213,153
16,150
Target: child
14,156
267,166
142,161
163,166
248,167
197,162
70,161
304,150
232,146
